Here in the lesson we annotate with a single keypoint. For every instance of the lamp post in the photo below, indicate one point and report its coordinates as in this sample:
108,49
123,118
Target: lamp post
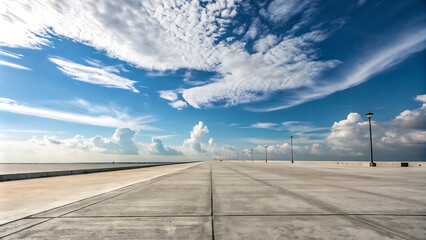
237,156
291,140
369,115
252,155
243,155
266,153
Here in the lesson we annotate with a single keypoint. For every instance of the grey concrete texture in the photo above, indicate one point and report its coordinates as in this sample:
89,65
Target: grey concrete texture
243,200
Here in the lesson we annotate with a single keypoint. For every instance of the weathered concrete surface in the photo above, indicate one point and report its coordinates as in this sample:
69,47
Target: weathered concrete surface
236,200
22,198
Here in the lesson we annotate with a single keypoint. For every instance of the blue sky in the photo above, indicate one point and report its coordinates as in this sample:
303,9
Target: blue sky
176,80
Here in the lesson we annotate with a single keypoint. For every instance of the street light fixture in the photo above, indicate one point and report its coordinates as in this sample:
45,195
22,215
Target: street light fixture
369,115
291,139
266,153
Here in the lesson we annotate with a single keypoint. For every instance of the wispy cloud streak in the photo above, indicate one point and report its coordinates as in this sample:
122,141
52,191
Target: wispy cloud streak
9,54
121,120
364,69
94,75
13,65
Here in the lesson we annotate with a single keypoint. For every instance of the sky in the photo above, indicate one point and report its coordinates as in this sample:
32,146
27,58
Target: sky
146,81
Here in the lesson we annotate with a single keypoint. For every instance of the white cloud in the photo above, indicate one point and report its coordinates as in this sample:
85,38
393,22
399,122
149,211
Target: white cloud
404,136
149,34
264,44
300,127
120,143
195,143
171,35
179,105
10,54
292,126
421,98
361,71
283,10
13,65
119,119
266,125
94,75
157,148
170,95
249,78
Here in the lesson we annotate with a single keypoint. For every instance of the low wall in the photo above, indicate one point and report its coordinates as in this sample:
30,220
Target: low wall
347,163
361,164
21,176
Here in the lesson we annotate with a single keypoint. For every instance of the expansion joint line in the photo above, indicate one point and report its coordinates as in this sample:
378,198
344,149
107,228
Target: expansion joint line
211,199
326,206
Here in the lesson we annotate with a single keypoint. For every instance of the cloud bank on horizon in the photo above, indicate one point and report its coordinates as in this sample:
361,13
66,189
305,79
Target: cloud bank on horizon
135,63
346,138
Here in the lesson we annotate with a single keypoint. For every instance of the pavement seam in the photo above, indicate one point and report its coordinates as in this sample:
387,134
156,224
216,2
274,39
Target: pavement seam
358,190
26,228
150,181
328,207
143,183
211,199
231,215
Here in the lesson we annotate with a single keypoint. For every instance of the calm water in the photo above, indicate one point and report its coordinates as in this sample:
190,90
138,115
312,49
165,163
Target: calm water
29,167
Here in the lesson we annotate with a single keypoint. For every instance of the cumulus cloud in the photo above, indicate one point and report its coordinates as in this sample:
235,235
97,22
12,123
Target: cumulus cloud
94,75
197,137
105,117
172,96
157,148
179,105
168,95
120,143
413,119
404,136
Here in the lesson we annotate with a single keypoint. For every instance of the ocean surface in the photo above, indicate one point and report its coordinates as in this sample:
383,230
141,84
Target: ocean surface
12,168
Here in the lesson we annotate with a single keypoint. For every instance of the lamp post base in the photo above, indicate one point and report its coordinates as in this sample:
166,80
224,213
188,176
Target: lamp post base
372,164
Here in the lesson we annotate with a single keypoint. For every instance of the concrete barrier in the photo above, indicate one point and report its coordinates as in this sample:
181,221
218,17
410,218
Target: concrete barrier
364,164
21,176
348,163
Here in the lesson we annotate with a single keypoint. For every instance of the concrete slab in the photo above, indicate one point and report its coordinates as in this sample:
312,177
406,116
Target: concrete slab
410,227
120,228
262,204
139,203
250,201
20,199
293,227
19,225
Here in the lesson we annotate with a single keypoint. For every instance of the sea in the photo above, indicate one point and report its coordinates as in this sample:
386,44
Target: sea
13,168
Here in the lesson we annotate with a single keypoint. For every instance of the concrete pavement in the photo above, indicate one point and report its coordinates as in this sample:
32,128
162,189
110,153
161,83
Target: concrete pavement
243,200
